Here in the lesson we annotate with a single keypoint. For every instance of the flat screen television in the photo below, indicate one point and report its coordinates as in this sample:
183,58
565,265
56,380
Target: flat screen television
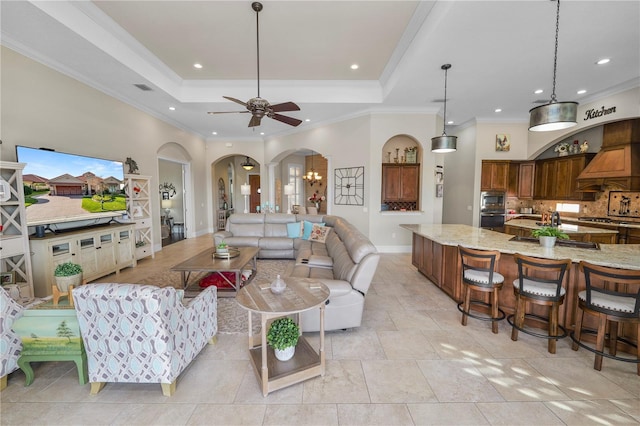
61,188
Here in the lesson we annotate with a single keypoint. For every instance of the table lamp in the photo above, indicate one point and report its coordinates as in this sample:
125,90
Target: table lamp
166,204
288,191
246,191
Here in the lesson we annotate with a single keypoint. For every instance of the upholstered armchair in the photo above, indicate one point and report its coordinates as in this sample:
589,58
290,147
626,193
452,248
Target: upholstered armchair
142,334
10,343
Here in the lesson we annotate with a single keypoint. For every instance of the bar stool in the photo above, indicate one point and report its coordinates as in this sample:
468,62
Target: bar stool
539,282
613,296
479,274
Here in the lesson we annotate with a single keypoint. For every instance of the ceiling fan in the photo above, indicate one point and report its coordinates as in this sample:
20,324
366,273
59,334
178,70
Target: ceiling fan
257,106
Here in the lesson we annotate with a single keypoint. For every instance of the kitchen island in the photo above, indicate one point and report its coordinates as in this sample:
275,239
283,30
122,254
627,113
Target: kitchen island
435,254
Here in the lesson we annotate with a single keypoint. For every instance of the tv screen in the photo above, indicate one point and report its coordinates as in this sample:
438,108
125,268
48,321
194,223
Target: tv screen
62,187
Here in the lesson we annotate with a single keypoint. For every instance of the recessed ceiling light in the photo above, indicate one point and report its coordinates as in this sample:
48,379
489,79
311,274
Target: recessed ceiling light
450,122
355,66
537,92
262,133
581,92
196,65
214,133
498,109
307,119
172,108
603,61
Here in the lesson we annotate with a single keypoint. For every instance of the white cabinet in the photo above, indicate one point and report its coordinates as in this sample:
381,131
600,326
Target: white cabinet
138,191
100,251
14,238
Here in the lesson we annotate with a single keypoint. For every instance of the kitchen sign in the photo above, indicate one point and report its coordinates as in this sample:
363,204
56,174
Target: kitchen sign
595,113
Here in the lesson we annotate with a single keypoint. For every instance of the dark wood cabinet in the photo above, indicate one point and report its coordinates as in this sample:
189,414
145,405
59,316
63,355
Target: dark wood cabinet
499,175
401,185
633,236
526,176
556,178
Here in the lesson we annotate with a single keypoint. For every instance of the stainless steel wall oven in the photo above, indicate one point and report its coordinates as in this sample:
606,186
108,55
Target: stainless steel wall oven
492,209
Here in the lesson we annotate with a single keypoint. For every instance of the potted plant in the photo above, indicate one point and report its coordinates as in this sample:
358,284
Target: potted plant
67,274
548,235
283,337
222,248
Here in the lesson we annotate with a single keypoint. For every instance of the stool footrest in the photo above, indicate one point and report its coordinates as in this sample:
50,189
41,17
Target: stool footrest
533,333
604,354
501,313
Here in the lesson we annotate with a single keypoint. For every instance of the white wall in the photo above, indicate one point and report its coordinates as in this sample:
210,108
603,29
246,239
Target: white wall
459,171
43,108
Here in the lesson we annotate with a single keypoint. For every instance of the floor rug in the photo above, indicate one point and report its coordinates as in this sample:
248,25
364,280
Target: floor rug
232,319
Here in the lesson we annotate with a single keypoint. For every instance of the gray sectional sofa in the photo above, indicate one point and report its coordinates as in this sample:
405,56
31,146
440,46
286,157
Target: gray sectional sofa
345,262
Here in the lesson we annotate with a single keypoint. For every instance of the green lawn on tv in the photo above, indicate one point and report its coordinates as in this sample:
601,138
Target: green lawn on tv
106,203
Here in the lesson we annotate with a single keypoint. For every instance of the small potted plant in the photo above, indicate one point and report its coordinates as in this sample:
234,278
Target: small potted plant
283,337
548,235
67,274
222,248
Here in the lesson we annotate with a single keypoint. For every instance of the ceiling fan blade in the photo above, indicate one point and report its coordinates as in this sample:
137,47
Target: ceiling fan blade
238,101
285,106
255,121
288,120
226,112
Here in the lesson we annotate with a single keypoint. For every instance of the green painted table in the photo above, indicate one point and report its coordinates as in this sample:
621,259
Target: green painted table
50,333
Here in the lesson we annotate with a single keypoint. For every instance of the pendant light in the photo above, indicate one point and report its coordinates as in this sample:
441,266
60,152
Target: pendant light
312,176
444,143
554,115
247,165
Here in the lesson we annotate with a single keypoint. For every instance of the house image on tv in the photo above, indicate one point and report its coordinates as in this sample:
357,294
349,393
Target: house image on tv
112,185
66,185
35,182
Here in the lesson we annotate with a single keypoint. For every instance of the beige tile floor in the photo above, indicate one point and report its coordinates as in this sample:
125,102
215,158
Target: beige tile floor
411,363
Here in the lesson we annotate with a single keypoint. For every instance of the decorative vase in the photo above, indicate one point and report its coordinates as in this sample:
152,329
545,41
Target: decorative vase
547,242
63,283
278,285
318,206
285,354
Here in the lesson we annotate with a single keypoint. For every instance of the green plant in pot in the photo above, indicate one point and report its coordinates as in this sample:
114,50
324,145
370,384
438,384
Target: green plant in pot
548,235
222,248
283,337
67,274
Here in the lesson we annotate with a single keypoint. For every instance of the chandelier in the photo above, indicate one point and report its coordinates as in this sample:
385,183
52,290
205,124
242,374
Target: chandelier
312,176
247,165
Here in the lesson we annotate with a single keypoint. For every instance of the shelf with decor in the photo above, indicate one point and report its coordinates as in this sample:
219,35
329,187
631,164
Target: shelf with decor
15,255
137,189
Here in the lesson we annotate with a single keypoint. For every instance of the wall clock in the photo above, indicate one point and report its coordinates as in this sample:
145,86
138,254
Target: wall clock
349,186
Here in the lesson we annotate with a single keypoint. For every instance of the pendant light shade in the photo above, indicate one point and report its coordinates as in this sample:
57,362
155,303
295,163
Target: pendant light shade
247,165
554,115
444,143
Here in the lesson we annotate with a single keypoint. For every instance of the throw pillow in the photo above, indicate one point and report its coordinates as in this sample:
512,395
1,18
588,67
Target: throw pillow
294,230
319,233
308,226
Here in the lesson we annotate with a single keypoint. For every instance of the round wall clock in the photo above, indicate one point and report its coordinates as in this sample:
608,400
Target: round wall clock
349,186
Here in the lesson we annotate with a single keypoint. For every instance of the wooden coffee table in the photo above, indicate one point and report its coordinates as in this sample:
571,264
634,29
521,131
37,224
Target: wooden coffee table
206,262
300,295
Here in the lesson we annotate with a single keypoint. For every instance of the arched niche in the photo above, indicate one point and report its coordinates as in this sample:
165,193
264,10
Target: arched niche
400,158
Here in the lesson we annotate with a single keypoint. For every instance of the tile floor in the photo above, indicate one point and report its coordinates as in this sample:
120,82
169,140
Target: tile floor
411,363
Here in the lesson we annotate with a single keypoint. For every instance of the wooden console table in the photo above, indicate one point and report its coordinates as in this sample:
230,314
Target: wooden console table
300,295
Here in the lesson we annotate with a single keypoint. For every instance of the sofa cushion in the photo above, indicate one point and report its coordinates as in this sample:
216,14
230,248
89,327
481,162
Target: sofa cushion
242,241
319,233
276,243
343,266
294,230
247,229
308,227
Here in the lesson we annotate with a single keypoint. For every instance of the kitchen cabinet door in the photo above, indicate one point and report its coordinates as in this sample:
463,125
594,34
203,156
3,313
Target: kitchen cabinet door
494,175
400,183
526,175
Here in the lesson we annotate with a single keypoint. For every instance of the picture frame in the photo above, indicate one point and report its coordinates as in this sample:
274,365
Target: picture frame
439,190
165,195
295,209
8,277
503,142
137,211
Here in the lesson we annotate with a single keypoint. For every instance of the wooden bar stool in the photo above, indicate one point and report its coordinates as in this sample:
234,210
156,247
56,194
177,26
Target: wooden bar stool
479,274
539,282
613,296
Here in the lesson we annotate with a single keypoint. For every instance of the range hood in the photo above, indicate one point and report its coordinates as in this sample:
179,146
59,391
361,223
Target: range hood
617,165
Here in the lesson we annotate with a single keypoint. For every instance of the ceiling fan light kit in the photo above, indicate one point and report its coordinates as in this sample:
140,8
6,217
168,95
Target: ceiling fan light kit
554,115
257,106
444,143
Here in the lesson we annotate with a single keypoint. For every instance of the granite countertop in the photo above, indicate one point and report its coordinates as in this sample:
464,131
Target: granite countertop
614,255
616,221
565,227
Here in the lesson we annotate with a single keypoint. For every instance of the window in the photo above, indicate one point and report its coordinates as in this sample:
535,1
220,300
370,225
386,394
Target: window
295,179
568,207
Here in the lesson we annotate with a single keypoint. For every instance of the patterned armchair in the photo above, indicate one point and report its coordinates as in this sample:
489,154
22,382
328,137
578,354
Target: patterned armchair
10,343
142,334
